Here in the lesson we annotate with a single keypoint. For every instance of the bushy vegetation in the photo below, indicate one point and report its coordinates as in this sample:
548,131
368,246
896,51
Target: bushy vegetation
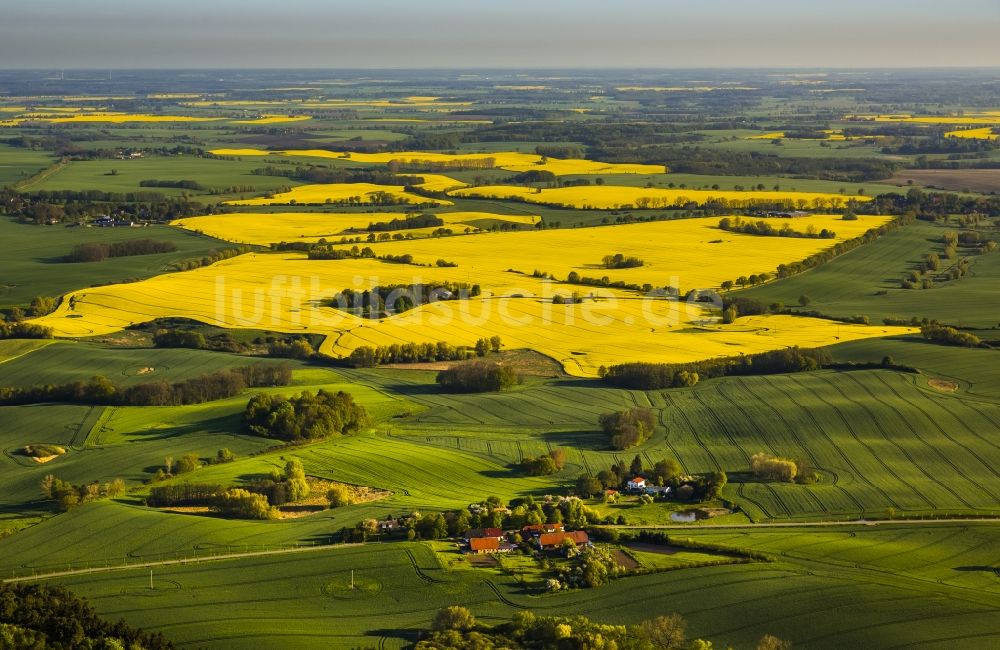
950,336
66,495
621,261
628,428
479,376
42,618
17,330
369,357
306,416
455,628
408,222
546,464
390,299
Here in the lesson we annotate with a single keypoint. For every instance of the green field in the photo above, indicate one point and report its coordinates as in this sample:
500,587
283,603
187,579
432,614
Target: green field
125,176
35,267
867,281
889,587
18,164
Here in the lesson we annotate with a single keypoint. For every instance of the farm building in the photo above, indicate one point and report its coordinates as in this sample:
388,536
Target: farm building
538,529
552,541
480,533
636,483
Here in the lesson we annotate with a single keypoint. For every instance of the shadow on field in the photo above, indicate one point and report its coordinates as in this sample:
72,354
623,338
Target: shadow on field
987,569
228,424
592,440
411,636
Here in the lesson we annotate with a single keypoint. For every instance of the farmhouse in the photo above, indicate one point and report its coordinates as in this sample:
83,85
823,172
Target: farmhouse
636,483
483,533
552,541
538,529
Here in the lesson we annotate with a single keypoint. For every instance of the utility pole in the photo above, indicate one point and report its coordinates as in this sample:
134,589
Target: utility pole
151,579
352,579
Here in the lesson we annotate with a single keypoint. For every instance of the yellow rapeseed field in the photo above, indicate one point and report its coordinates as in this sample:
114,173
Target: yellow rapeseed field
607,197
510,160
360,193
985,133
265,229
284,292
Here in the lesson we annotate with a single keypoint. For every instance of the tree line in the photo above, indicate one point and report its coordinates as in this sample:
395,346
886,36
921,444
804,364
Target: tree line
100,390
657,376
765,229
98,252
18,330
370,357
68,205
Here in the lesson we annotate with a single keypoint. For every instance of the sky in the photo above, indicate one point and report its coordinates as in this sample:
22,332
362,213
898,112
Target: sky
332,34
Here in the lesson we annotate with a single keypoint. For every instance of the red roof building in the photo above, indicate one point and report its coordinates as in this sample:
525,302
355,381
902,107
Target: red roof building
555,540
484,545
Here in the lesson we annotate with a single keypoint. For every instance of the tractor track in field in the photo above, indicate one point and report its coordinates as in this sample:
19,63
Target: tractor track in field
906,454
941,430
779,417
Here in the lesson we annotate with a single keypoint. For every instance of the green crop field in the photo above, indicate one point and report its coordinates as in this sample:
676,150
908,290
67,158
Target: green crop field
35,267
889,540
17,164
867,281
126,175
876,580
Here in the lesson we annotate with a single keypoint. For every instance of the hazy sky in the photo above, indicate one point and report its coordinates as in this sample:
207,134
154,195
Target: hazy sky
500,33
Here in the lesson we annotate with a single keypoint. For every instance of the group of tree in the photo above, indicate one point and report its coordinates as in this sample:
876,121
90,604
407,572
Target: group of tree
282,486
306,416
455,628
42,617
18,330
100,390
546,464
621,261
665,472
478,376
330,253
291,348
775,468
950,336
657,376
408,222
628,428
66,495
177,184
382,300
763,228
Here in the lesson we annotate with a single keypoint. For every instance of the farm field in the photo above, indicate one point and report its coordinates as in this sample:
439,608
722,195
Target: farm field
264,229
867,281
510,160
513,304
332,192
126,176
35,268
405,585
609,197
581,209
